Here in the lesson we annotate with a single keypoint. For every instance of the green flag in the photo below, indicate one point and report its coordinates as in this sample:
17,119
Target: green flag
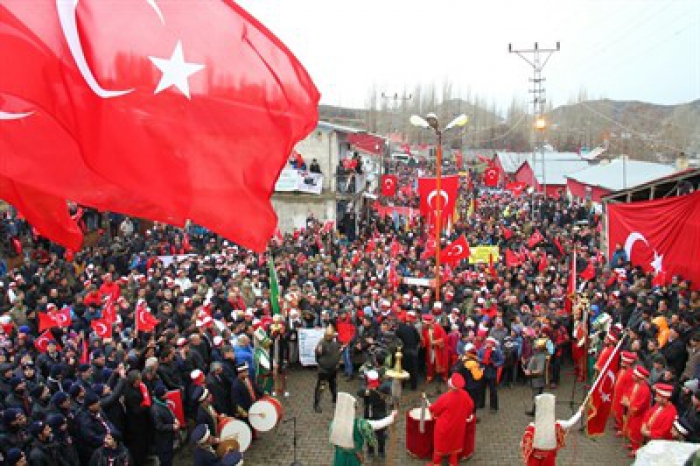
274,287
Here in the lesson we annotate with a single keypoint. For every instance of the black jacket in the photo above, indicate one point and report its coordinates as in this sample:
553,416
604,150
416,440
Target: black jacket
163,425
220,388
43,454
92,428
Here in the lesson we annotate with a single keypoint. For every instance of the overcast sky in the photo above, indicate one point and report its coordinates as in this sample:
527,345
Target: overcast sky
620,49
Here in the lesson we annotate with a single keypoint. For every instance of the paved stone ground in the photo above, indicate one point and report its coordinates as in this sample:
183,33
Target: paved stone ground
497,442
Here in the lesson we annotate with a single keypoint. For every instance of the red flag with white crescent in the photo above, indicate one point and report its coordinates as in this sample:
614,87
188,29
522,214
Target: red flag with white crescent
389,185
47,320
601,396
659,235
43,340
431,199
63,317
456,251
145,321
174,400
164,95
102,327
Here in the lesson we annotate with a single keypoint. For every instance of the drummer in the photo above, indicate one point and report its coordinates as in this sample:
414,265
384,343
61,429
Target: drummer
243,391
205,411
204,454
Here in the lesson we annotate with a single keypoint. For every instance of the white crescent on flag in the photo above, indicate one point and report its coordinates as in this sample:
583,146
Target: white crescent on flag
606,390
101,329
631,239
14,116
67,16
142,314
442,194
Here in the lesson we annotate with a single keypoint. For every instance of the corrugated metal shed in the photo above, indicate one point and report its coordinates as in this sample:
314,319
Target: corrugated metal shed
611,176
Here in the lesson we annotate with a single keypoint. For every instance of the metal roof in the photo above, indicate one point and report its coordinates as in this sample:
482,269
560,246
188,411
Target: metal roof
340,128
620,174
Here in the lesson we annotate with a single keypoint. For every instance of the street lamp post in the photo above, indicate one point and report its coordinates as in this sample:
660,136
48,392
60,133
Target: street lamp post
431,122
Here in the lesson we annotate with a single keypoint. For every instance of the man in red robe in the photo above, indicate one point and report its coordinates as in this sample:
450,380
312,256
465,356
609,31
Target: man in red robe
623,383
658,421
434,339
579,348
543,438
451,412
639,403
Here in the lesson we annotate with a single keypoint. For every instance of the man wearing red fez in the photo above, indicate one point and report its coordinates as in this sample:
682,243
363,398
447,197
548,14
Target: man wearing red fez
623,382
451,412
434,339
639,403
658,421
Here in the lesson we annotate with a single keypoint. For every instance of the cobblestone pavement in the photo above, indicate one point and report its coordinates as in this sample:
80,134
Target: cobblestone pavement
497,435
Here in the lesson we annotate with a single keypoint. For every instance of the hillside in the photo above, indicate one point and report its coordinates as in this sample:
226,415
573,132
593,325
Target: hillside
642,130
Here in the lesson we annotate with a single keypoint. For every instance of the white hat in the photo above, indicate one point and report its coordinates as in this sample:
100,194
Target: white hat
545,423
342,426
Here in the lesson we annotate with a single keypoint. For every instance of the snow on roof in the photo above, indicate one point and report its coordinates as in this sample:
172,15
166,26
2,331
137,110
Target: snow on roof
511,161
611,176
557,164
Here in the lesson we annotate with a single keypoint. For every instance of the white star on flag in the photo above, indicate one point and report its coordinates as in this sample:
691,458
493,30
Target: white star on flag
657,263
176,71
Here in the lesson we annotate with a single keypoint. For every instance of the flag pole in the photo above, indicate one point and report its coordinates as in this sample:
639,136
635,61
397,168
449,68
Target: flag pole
438,212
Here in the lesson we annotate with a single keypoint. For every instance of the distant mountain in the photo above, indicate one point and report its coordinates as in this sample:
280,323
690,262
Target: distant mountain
641,129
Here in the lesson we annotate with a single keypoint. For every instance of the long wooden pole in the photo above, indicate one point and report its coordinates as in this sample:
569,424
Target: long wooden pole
438,213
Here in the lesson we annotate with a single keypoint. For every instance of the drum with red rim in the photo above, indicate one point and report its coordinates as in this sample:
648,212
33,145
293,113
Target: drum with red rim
233,429
419,444
265,414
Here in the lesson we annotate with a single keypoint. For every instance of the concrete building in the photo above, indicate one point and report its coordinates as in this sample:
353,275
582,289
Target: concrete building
339,197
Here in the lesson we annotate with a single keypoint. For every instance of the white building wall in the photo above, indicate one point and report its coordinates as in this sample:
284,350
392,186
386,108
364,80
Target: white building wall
293,209
323,146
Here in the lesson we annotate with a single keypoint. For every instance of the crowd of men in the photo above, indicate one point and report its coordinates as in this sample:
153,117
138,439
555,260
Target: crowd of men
72,397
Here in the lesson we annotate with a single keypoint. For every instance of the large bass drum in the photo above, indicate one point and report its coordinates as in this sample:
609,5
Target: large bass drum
265,414
233,434
419,444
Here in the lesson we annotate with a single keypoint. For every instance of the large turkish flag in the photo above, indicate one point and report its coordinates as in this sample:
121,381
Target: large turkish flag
660,236
430,199
187,108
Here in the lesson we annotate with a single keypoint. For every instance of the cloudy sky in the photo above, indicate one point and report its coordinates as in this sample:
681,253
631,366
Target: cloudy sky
620,49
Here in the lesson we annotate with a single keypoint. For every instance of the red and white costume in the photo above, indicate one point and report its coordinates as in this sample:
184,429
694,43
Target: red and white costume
623,382
543,438
435,343
639,403
451,412
658,420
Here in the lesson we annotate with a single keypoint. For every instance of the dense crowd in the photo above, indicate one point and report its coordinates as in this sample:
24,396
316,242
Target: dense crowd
72,397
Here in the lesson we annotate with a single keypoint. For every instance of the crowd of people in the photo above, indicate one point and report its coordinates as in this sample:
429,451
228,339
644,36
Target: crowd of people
73,395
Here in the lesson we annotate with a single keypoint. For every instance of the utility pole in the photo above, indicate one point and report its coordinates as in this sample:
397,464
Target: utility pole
537,58
393,110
